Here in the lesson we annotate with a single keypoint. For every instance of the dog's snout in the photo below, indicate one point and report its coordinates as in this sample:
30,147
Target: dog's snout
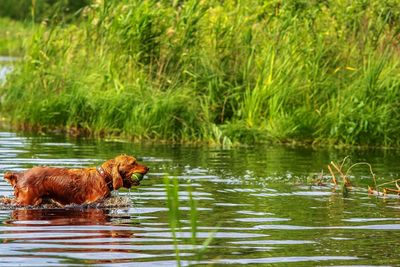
146,169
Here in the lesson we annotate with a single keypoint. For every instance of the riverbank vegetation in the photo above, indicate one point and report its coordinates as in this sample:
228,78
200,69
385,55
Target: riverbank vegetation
18,20
219,72
12,36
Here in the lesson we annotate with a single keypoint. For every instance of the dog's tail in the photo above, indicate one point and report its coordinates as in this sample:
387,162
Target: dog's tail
11,178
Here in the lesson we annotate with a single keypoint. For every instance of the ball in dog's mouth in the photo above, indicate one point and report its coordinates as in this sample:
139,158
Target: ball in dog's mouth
137,177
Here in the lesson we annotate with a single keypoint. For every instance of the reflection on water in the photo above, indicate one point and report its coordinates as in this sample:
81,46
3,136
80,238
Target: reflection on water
254,201
4,70
28,217
5,67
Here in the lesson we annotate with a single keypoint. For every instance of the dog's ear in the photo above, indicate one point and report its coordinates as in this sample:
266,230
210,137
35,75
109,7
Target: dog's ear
11,178
116,176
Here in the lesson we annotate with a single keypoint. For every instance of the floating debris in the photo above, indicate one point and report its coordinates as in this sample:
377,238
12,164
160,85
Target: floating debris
337,171
384,189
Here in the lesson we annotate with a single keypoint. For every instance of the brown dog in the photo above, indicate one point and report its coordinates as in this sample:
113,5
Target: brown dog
74,186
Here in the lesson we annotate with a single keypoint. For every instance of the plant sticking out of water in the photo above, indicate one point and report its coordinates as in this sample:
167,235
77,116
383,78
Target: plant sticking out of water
193,227
344,173
345,181
172,190
340,170
386,190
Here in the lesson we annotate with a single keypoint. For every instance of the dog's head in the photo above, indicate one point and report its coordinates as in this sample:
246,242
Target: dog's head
122,168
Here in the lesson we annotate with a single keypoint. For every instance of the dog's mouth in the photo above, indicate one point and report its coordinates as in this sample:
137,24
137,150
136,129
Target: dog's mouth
136,177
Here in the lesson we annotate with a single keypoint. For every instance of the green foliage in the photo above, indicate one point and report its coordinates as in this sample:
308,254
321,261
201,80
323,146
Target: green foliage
12,36
223,72
38,10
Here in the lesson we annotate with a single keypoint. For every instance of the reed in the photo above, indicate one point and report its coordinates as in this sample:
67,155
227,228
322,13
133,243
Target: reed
175,217
218,72
172,189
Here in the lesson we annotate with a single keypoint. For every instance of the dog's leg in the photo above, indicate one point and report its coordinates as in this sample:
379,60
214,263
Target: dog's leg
38,202
96,203
26,197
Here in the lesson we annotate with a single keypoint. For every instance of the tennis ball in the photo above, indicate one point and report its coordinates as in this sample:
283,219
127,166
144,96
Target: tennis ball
137,176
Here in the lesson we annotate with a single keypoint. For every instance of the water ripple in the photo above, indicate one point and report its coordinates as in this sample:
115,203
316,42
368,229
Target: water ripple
250,206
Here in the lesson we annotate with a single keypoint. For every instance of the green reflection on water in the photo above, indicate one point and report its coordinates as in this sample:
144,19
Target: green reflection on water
258,196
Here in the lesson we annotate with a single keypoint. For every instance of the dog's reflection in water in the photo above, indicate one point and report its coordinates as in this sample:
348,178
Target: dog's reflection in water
97,236
36,219
57,217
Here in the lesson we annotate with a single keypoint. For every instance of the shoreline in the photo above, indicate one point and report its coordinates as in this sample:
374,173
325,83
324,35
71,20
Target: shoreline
108,136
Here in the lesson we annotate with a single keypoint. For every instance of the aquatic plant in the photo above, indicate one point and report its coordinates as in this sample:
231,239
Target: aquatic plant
384,189
174,217
340,176
172,190
217,72
344,173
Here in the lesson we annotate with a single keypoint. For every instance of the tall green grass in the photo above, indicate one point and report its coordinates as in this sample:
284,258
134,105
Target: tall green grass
212,71
39,10
13,34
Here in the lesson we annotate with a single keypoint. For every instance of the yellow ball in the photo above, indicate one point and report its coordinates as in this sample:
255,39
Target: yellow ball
137,177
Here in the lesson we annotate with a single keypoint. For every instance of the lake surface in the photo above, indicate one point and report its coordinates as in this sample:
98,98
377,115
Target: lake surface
6,67
255,202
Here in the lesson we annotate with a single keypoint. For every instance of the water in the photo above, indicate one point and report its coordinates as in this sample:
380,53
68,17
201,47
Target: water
255,202
6,67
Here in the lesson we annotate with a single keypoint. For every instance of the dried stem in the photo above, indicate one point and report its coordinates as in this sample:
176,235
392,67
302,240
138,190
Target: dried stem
363,163
391,182
339,170
333,175
344,174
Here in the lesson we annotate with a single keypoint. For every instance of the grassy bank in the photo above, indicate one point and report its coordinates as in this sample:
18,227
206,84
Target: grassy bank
237,71
12,37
